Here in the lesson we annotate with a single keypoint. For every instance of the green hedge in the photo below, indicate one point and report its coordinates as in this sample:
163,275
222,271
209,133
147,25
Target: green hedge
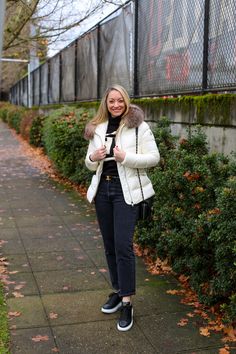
193,223
64,143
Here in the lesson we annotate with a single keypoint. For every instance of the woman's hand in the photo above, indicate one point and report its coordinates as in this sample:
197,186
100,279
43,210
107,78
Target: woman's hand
118,154
98,154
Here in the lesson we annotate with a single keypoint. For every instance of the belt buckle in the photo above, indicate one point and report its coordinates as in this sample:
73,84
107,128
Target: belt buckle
108,178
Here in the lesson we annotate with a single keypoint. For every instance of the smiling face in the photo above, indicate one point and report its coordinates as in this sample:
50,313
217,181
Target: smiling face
115,103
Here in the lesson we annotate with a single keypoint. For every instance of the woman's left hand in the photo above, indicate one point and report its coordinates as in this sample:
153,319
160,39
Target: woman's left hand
118,154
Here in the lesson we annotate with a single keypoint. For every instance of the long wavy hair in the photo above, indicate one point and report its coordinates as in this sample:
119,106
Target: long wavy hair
103,113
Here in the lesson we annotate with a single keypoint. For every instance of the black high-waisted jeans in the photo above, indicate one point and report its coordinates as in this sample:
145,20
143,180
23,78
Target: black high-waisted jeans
117,223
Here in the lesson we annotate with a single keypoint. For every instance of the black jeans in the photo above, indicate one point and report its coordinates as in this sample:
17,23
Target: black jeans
117,223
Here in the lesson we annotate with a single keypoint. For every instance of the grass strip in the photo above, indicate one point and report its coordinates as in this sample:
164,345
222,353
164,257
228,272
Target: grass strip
4,331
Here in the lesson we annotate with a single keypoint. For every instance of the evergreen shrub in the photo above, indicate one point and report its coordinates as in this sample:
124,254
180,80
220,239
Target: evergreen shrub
36,130
64,142
26,123
14,117
4,107
193,221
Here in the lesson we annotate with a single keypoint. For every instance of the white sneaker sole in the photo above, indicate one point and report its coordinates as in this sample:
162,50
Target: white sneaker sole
114,309
124,329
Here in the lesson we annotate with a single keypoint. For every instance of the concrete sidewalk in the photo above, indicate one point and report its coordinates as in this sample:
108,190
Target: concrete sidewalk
58,276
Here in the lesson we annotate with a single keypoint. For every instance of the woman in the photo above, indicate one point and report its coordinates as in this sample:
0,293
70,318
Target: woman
115,188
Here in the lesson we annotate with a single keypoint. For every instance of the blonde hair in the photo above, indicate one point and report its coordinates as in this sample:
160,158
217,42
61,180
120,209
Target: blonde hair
102,113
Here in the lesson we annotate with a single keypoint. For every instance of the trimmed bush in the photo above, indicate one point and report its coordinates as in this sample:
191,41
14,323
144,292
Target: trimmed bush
36,131
4,108
193,224
26,123
14,117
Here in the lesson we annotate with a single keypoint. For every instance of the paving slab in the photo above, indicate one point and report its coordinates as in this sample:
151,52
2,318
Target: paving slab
9,234
7,222
101,337
59,260
75,308
44,232
33,341
22,282
32,313
12,246
18,263
37,221
50,245
171,338
70,280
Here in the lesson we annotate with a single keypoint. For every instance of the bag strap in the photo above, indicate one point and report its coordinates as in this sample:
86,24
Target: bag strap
136,132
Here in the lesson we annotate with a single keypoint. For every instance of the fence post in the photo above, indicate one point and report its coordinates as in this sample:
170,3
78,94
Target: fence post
136,70
76,70
60,77
40,85
33,88
98,62
48,83
205,46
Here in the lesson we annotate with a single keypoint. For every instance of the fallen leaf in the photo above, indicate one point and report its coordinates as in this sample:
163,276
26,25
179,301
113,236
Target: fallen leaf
18,287
102,270
55,350
204,331
14,272
17,294
60,258
40,338
175,292
230,332
190,314
53,315
183,322
14,313
13,327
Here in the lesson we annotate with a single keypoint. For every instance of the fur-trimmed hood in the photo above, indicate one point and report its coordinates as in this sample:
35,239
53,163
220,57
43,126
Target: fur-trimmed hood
132,119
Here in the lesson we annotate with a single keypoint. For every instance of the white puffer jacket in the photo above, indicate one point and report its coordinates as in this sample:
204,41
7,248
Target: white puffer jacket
147,156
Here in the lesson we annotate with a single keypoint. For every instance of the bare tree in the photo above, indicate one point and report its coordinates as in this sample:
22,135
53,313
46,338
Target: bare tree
51,18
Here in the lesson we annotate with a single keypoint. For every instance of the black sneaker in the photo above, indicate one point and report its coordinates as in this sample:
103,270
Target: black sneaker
113,303
126,317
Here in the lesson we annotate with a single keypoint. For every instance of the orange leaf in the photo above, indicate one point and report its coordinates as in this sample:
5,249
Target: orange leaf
175,292
14,313
103,270
17,294
190,314
53,315
183,322
231,332
40,338
204,331
18,287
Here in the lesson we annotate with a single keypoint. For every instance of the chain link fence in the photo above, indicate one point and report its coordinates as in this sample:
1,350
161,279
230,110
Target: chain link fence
151,47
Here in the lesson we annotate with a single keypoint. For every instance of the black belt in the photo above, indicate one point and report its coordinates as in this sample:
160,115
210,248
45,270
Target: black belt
110,178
